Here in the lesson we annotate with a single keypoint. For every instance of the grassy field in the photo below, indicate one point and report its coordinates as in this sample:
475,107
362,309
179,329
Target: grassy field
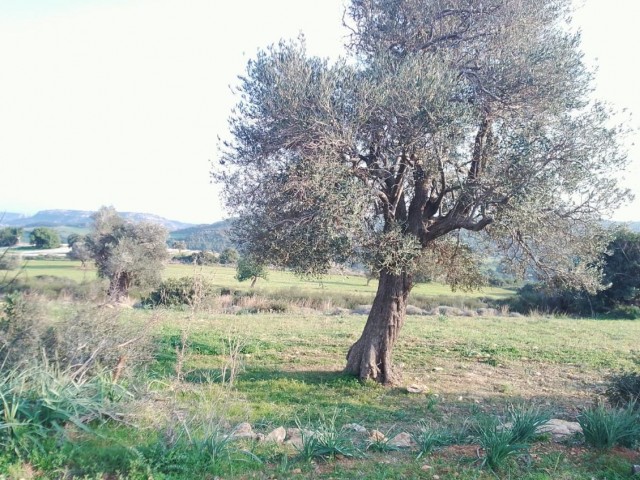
212,371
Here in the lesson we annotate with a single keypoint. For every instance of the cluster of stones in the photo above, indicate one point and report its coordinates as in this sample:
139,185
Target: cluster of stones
559,429
437,311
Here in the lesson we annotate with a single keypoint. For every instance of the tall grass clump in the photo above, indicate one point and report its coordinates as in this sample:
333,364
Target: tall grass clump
525,422
39,403
324,439
604,428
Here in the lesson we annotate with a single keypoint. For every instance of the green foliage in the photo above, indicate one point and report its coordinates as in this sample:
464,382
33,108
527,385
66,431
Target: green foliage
249,268
181,291
128,254
525,421
198,258
228,255
324,439
10,236
622,271
80,251
498,444
43,237
605,428
624,389
428,439
40,401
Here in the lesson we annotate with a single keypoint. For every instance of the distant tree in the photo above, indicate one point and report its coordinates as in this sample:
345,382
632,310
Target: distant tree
450,118
179,245
228,255
80,251
128,254
10,236
72,238
43,237
621,271
249,268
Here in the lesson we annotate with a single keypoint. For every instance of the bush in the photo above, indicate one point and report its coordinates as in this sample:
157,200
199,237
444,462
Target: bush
627,312
624,389
174,292
91,339
10,236
197,258
10,261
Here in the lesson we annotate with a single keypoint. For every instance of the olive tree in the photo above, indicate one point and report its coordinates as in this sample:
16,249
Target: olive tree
43,237
10,236
249,268
128,254
450,120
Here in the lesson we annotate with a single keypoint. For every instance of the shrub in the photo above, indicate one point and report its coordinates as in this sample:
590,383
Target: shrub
624,389
10,261
605,428
198,258
525,421
175,292
627,312
22,325
498,444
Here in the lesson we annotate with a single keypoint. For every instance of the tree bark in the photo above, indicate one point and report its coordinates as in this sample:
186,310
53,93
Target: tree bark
370,357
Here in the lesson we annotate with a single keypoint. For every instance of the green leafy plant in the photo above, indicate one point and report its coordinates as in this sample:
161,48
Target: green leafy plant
428,439
324,439
525,421
624,388
605,428
498,445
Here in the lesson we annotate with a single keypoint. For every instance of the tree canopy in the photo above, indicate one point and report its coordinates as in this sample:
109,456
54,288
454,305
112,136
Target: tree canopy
448,120
10,236
129,254
43,237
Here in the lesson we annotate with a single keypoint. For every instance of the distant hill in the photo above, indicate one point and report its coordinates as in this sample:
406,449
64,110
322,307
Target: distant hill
81,219
213,237
6,217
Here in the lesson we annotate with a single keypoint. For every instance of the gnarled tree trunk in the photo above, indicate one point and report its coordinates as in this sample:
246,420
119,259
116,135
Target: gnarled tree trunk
370,357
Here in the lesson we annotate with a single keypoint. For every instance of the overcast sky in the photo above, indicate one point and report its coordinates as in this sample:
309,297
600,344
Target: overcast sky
120,102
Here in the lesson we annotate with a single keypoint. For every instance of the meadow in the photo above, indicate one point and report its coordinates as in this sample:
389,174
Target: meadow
210,371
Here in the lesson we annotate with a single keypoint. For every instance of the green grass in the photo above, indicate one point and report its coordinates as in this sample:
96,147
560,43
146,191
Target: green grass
289,373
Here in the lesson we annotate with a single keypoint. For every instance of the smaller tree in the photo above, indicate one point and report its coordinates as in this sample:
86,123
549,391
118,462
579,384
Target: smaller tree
80,251
250,268
128,254
10,236
72,238
43,237
228,255
621,271
179,245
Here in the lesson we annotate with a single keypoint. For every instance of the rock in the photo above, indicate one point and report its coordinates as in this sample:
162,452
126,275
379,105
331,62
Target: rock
361,310
560,428
243,430
437,369
515,315
339,311
355,428
413,310
635,469
377,436
426,468
294,437
402,440
296,471
416,388
436,477
487,312
278,435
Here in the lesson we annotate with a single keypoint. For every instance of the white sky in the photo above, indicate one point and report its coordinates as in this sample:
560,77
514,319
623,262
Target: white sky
120,102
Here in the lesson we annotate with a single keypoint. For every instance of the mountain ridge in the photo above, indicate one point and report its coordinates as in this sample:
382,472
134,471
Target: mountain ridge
81,218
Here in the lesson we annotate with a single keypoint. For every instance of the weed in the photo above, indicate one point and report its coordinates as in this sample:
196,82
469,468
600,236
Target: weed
324,439
525,421
381,443
624,388
428,439
497,444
